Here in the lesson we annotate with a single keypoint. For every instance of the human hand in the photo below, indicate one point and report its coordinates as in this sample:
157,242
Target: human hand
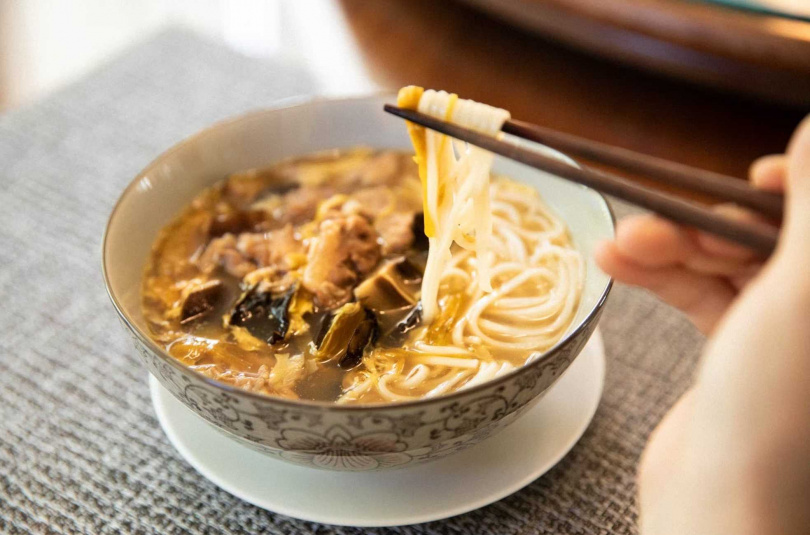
733,455
693,271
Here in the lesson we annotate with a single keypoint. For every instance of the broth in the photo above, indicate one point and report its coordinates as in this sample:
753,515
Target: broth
303,280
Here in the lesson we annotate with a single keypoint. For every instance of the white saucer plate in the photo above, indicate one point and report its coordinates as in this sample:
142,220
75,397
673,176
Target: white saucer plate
473,478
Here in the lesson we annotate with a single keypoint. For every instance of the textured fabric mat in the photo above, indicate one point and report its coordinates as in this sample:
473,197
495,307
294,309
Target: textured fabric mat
80,448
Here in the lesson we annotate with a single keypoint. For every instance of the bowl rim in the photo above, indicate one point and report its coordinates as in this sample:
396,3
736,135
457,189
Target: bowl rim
283,104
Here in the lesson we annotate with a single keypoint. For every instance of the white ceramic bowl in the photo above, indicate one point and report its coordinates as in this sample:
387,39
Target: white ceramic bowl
314,433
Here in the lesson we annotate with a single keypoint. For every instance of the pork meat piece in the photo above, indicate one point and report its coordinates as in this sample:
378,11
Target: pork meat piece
223,252
300,205
344,250
367,202
396,231
272,248
242,254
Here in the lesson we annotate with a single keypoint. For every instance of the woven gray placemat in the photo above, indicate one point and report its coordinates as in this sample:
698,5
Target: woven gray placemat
80,448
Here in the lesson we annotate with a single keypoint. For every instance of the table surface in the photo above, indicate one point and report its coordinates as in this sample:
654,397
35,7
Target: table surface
449,46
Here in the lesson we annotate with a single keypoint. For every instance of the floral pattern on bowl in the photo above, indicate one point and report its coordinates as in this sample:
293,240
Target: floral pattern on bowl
365,437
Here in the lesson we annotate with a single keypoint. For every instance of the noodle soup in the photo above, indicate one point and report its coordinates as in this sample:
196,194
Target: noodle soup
306,280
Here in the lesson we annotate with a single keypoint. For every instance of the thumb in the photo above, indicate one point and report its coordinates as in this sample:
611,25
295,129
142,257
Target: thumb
797,219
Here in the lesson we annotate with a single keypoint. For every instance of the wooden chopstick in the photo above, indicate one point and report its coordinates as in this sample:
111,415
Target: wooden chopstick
683,176
761,238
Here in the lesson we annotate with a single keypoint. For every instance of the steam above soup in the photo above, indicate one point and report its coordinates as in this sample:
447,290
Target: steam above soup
315,278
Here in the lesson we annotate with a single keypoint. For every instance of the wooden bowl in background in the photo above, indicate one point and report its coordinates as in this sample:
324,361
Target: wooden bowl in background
749,52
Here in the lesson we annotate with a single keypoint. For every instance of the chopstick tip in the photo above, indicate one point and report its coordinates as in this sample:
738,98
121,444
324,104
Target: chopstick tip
395,110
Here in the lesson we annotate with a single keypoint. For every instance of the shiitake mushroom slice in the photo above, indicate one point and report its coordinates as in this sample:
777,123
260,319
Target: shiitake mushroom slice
393,286
420,239
409,273
410,322
391,293
200,301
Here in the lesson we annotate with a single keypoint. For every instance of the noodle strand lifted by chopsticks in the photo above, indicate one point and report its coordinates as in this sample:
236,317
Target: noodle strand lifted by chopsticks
455,179
502,282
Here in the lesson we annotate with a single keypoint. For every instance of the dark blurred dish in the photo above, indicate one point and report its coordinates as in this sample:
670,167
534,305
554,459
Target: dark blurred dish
741,50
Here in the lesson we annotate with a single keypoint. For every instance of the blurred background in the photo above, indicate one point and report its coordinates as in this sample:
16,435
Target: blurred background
713,83
48,43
